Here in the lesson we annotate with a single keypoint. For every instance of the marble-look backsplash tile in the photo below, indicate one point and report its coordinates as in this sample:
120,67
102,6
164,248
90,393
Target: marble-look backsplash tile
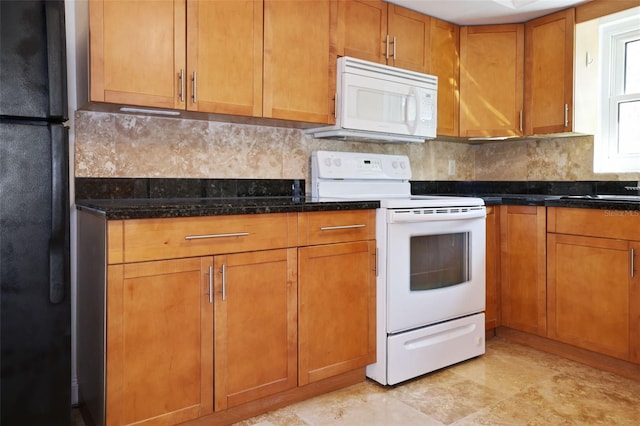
119,145
123,145
547,159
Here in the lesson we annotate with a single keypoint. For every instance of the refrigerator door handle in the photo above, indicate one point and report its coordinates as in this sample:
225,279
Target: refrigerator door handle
57,59
58,261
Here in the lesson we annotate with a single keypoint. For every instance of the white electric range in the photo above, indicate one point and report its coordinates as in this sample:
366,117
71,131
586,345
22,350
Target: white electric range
430,289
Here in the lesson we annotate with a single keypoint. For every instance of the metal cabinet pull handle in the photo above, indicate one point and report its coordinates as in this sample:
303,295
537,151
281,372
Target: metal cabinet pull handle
633,255
386,50
211,284
520,121
202,237
181,78
224,281
195,87
395,43
333,228
566,115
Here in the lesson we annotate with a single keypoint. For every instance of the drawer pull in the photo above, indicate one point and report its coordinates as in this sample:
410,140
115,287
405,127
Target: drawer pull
633,259
333,228
202,237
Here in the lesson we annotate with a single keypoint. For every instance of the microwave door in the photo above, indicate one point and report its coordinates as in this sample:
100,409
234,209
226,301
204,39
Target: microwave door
377,105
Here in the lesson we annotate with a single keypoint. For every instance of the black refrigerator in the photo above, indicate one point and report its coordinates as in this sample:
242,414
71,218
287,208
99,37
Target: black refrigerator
35,308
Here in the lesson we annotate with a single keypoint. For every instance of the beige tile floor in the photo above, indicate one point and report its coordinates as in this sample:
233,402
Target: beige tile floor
510,385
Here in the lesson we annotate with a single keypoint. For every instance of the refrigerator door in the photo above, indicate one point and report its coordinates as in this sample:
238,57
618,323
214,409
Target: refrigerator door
33,80
35,313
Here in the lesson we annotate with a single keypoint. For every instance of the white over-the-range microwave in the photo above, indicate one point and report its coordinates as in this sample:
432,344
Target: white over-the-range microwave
379,103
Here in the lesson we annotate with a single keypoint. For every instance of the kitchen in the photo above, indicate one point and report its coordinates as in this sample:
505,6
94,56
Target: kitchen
110,144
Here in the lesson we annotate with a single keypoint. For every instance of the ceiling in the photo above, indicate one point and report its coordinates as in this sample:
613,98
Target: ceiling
485,12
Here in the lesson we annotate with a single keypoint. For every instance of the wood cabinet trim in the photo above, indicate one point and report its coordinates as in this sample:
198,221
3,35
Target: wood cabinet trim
634,306
115,242
598,8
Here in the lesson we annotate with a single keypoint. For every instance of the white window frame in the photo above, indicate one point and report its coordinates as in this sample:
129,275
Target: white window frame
614,34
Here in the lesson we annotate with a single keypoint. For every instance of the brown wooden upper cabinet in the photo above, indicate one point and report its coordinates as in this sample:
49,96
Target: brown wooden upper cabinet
137,52
300,60
207,56
445,63
382,32
549,73
491,80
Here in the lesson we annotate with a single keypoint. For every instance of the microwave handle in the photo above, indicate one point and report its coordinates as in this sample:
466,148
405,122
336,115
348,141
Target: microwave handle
411,112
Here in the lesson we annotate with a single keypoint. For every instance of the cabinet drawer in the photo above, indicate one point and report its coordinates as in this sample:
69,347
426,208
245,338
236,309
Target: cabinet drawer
168,238
336,226
618,224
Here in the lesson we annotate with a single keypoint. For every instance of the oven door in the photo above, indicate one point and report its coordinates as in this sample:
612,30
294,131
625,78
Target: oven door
435,271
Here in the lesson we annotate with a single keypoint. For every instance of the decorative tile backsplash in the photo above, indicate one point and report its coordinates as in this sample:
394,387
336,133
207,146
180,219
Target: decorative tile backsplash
122,145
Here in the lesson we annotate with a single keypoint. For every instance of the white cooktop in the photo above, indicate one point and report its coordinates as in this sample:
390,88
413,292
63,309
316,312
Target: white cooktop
363,176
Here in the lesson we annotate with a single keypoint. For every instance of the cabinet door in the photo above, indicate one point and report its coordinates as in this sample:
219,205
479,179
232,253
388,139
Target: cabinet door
634,306
549,73
224,52
137,52
337,309
445,59
256,325
491,80
523,268
300,60
362,29
588,299
410,33
159,342
492,311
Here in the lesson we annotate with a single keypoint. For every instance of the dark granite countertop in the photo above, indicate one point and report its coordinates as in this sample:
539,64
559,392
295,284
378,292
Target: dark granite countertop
144,208
557,201
136,198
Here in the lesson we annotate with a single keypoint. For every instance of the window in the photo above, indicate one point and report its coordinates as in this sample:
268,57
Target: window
618,142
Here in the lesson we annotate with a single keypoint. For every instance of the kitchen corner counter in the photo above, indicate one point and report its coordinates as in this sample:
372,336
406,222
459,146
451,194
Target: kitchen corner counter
146,208
559,201
630,206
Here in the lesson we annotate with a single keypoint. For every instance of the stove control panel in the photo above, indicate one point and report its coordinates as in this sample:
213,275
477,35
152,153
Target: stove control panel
352,165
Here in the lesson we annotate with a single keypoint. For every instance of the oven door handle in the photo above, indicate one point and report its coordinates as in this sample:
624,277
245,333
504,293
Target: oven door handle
431,215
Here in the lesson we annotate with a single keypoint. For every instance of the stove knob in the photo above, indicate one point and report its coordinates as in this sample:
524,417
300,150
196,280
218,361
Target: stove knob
327,161
337,162
394,164
403,165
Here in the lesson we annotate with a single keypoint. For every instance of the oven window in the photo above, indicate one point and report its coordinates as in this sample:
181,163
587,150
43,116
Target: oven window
439,261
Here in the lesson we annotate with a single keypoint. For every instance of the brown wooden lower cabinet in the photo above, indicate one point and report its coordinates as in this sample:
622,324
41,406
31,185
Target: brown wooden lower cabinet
337,309
523,268
255,296
593,280
159,341
277,311
492,311
589,289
